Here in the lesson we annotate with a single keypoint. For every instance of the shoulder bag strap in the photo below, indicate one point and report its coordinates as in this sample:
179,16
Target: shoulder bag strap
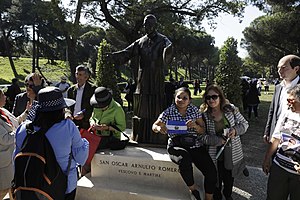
117,128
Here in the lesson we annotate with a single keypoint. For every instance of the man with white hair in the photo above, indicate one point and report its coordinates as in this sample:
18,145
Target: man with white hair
284,167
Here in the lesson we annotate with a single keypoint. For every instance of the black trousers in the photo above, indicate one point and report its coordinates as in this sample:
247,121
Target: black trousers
71,195
254,108
225,177
200,157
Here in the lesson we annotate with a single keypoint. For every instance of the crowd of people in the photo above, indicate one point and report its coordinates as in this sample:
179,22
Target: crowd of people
208,136
61,119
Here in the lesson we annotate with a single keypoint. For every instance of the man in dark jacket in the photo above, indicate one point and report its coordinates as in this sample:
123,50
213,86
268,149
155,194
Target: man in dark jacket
12,91
288,70
81,92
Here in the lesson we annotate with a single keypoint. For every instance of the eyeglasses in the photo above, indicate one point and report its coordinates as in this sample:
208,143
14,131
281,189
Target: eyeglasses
213,97
184,98
29,85
291,101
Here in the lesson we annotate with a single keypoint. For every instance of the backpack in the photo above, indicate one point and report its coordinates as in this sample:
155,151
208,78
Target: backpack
38,175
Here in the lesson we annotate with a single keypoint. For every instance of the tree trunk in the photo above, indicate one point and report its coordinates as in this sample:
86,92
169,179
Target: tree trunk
12,65
71,45
71,38
8,52
33,48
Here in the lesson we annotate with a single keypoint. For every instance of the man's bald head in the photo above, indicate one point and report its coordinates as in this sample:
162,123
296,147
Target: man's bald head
292,60
289,67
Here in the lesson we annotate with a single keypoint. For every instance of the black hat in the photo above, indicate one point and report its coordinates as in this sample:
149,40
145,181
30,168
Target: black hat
101,98
51,99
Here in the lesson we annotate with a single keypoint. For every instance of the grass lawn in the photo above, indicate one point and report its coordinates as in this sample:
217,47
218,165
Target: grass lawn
51,72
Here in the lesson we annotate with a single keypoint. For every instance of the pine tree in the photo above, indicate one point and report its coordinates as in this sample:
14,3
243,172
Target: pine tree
229,71
106,72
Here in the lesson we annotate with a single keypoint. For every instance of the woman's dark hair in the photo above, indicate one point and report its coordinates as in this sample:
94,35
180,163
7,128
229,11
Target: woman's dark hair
45,120
29,78
183,89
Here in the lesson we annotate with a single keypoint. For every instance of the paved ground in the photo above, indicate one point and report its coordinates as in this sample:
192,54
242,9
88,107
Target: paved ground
252,187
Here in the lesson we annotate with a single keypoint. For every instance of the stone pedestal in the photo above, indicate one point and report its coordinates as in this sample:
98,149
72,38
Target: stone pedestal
142,132
135,173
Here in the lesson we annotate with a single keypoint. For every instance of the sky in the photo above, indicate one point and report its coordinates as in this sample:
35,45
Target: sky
229,26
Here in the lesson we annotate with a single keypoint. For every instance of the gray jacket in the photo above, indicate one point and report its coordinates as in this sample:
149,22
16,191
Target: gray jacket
239,123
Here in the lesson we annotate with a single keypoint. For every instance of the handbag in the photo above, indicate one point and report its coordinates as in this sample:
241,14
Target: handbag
228,164
93,140
185,141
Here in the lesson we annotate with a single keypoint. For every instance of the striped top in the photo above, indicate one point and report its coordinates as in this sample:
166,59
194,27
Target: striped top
236,121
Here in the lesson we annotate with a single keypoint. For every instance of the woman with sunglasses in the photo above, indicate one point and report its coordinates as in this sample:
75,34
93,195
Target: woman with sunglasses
33,83
224,120
185,128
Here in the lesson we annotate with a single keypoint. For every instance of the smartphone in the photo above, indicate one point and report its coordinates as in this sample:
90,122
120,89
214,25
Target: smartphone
80,112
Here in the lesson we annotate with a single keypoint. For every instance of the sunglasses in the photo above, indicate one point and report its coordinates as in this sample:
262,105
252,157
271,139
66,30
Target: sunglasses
213,97
29,85
183,98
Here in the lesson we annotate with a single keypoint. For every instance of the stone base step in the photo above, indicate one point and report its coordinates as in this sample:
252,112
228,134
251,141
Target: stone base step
90,188
135,173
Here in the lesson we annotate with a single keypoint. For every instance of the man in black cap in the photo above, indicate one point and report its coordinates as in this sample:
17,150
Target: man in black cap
106,112
153,51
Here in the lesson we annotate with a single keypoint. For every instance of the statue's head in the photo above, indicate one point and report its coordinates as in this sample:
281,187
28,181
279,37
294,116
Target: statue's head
150,23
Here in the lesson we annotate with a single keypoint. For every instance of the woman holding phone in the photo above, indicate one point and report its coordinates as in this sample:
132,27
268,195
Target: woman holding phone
224,120
185,144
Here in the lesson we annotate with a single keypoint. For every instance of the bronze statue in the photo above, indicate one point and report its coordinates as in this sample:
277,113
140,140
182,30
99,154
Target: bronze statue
153,51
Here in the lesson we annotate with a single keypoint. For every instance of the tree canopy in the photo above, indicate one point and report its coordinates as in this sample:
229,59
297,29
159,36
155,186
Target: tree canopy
270,37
